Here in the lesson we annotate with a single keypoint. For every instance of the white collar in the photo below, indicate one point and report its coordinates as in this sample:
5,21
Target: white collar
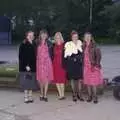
72,48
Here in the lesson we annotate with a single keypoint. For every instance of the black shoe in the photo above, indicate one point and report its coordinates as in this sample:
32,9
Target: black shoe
80,98
45,99
31,101
26,101
95,101
89,99
62,98
41,98
74,99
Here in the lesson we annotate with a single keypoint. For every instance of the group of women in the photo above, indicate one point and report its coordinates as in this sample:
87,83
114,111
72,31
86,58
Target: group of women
58,63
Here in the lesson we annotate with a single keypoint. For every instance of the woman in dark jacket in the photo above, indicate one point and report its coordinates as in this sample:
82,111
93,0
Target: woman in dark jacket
92,67
27,65
73,62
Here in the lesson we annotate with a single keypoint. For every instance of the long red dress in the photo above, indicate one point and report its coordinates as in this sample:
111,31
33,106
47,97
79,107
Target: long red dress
58,70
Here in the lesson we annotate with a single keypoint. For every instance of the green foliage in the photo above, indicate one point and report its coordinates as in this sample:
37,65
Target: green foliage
106,40
8,71
114,13
63,15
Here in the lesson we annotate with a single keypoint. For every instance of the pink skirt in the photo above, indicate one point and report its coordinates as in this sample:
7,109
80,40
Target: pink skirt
93,76
44,72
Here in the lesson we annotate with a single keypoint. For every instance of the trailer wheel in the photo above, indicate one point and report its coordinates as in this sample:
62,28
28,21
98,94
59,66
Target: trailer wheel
116,92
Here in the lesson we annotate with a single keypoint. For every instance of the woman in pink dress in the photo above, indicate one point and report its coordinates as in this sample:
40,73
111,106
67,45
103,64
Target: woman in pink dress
92,67
44,64
59,72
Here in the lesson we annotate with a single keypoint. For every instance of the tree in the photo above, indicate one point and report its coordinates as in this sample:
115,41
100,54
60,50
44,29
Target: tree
63,15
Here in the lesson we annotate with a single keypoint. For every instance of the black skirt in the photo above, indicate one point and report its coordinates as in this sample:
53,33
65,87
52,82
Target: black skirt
28,81
74,67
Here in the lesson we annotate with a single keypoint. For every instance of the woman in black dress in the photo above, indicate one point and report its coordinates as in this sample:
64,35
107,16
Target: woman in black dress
73,63
27,66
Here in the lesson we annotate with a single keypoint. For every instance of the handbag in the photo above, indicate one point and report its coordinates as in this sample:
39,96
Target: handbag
28,76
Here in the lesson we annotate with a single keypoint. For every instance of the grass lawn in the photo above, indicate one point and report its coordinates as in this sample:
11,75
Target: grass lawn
8,75
8,70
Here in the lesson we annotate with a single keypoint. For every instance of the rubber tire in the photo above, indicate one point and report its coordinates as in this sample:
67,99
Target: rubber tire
116,92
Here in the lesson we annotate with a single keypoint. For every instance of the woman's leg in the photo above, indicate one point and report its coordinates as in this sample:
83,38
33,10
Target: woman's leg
45,91
59,90
80,90
41,90
89,93
26,100
73,85
63,90
94,89
30,96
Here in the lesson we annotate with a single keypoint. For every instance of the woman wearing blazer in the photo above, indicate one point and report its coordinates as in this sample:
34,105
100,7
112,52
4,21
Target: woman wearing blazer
92,67
27,66
74,64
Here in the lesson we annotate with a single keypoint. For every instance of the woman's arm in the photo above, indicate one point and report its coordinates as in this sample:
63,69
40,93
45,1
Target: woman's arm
98,57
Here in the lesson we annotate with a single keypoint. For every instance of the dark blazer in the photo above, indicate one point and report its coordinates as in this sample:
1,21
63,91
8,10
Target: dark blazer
94,54
27,56
50,49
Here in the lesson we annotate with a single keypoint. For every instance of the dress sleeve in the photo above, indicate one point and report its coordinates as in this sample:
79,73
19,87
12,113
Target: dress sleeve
20,56
99,56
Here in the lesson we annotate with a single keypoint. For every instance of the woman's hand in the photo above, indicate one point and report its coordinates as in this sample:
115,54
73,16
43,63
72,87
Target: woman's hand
98,66
28,68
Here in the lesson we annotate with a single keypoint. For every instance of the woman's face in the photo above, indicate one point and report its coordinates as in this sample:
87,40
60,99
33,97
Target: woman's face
30,36
87,38
58,40
44,36
75,37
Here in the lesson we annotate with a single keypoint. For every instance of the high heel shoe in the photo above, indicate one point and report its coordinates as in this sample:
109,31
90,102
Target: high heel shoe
80,98
31,101
61,98
74,98
89,99
45,99
95,101
41,98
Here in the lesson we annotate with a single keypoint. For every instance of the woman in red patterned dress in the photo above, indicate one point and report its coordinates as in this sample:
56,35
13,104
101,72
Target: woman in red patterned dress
92,67
44,72
59,72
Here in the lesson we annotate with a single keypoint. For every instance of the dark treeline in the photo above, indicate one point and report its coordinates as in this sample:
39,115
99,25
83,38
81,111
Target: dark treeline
62,15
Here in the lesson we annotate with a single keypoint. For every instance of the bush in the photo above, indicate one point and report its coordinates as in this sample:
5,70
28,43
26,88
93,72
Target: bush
8,71
106,40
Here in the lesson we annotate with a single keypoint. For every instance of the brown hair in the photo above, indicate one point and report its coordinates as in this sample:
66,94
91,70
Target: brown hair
92,42
73,33
26,34
43,31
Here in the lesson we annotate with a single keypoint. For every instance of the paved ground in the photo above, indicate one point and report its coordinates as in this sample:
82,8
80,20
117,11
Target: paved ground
110,58
111,61
13,108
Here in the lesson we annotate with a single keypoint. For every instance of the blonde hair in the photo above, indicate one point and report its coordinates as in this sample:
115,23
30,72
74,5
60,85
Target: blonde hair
61,37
